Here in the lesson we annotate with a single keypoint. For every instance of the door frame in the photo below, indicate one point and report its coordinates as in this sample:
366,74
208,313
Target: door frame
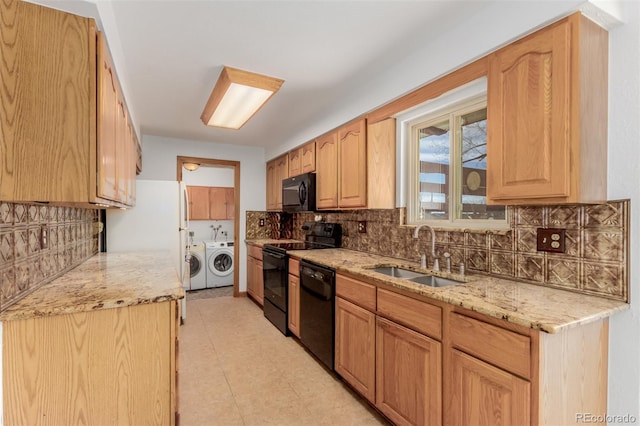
236,200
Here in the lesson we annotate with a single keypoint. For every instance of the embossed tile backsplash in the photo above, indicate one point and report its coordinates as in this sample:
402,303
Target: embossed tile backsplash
24,265
595,261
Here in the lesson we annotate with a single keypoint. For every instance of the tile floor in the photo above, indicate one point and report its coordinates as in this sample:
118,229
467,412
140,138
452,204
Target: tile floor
237,369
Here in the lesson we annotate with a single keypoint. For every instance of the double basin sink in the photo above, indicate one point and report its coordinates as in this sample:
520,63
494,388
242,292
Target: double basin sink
415,277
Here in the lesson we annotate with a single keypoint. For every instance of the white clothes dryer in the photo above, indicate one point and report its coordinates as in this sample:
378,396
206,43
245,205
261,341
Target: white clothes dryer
198,266
220,263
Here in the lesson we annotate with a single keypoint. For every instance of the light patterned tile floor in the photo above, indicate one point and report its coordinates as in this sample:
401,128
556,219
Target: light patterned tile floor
235,368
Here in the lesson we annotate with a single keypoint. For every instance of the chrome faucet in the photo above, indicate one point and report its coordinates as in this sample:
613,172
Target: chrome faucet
436,266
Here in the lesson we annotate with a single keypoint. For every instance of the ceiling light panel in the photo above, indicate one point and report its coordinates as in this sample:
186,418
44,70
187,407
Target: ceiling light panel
237,96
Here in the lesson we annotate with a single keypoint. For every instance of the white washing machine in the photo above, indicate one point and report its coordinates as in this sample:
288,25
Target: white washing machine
198,266
219,263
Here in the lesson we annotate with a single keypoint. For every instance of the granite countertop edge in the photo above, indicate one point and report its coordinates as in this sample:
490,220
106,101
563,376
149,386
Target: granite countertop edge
533,306
104,281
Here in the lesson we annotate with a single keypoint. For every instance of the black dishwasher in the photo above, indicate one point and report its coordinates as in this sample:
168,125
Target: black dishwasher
317,311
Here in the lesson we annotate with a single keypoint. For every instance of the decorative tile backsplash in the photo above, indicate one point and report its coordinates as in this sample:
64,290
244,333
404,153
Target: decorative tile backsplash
24,264
595,261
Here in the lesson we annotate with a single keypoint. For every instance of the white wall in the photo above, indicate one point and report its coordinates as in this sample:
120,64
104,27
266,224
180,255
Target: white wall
159,160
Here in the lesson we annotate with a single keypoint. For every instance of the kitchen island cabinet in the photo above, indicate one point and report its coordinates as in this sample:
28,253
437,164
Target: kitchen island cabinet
65,131
96,346
547,121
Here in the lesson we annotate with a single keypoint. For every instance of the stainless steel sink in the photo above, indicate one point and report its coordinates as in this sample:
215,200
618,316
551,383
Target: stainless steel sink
415,277
433,281
394,271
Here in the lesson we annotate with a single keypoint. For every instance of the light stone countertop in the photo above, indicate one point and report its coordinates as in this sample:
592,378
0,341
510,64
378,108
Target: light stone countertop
533,306
106,280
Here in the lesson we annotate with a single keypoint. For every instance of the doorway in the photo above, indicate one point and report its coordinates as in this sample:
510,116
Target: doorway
235,166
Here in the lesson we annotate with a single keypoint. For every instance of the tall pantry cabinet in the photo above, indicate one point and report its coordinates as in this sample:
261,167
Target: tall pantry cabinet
66,135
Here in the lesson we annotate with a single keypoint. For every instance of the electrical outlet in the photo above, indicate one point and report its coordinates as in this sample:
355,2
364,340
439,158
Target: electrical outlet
362,226
551,240
261,222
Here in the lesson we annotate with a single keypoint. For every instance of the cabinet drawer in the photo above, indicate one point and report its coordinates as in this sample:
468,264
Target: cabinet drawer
294,267
255,251
415,314
502,348
355,291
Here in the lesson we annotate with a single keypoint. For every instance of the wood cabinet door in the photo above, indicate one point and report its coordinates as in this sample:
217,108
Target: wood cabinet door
408,375
295,162
294,305
107,117
259,282
116,365
483,395
230,200
381,164
272,202
47,117
352,163
529,133
217,203
121,150
251,279
282,172
327,171
355,352
198,202
308,157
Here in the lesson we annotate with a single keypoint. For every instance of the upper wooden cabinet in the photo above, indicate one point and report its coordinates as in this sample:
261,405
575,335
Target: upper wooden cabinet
211,203
327,171
352,165
341,167
303,159
547,116
277,170
381,164
355,166
55,94
221,203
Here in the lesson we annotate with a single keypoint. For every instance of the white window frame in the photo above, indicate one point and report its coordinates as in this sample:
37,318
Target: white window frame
467,98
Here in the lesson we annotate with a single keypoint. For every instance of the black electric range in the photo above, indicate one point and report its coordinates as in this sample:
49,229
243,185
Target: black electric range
275,268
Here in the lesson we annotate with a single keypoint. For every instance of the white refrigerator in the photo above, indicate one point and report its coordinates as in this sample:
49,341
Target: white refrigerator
158,222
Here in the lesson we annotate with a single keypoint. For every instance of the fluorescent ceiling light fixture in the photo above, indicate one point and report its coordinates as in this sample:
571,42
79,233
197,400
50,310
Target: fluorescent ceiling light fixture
237,96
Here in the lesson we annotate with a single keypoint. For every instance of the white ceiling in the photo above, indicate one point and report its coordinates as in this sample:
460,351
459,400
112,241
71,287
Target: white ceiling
173,51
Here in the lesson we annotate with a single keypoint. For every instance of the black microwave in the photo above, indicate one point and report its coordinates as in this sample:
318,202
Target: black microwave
299,193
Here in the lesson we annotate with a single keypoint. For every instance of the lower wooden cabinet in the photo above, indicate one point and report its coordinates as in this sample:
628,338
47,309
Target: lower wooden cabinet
355,357
293,303
255,280
408,375
484,395
293,312
111,366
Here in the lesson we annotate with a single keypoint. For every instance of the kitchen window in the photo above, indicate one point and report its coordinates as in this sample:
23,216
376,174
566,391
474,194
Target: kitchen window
446,171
